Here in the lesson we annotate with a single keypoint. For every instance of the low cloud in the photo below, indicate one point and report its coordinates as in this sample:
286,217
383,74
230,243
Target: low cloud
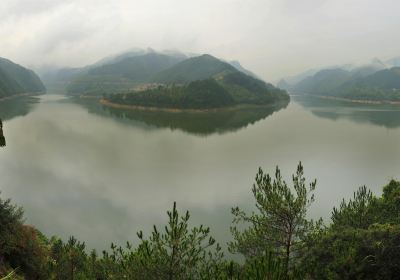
273,38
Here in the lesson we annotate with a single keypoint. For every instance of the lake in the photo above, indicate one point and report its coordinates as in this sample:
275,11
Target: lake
81,169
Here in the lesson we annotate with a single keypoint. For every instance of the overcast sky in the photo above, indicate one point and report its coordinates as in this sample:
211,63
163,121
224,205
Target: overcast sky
273,38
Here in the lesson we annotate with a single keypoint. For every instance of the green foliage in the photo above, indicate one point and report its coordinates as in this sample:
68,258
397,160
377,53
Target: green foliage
233,89
381,85
21,247
192,69
365,209
122,75
280,225
15,79
268,266
98,85
248,90
186,84
363,240
180,252
356,213
30,252
9,276
69,260
203,94
355,253
8,86
137,69
323,82
11,222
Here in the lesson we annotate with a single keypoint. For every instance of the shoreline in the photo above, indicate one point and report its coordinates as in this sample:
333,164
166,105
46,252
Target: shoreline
177,110
360,101
21,95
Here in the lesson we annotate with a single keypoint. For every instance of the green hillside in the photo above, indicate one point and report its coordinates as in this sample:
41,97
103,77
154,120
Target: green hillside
15,79
171,81
122,75
248,90
323,82
223,91
380,86
362,83
8,86
192,69
195,95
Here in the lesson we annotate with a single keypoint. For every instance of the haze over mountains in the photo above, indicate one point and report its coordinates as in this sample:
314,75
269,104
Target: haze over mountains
168,79
56,75
376,80
15,79
144,69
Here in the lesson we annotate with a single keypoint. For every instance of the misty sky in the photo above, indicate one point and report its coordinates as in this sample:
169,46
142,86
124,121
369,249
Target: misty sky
273,38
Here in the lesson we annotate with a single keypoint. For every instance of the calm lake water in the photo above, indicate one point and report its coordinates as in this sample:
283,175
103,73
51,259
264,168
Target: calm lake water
102,175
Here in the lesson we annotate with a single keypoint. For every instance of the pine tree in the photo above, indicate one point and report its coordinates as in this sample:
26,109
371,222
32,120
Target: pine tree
280,224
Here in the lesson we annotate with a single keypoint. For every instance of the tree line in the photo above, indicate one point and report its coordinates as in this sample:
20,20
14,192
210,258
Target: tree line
277,240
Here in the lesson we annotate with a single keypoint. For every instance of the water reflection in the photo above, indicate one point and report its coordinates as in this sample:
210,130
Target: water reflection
15,107
221,121
381,115
103,179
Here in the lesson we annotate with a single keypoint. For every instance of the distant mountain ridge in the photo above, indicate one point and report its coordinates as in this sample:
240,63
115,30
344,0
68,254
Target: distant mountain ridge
202,82
375,81
64,76
192,69
172,80
15,79
123,75
383,85
357,70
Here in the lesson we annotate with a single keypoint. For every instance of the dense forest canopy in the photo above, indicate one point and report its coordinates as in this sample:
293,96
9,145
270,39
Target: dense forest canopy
15,79
278,241
174,81
202,82
374,82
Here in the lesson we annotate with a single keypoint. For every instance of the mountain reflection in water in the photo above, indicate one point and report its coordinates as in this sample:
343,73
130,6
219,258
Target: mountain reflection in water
16,107
198,123
385,115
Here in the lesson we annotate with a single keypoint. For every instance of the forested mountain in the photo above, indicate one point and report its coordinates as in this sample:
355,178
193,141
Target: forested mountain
61,76
323,81
315,79
383,85
15,79
202,82
138,69
122,75
195,95
239,67
173,80
192,69
364,83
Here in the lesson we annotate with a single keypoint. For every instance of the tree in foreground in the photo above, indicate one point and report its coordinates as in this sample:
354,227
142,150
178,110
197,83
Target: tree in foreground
363,240
280,224
178,252
2,138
